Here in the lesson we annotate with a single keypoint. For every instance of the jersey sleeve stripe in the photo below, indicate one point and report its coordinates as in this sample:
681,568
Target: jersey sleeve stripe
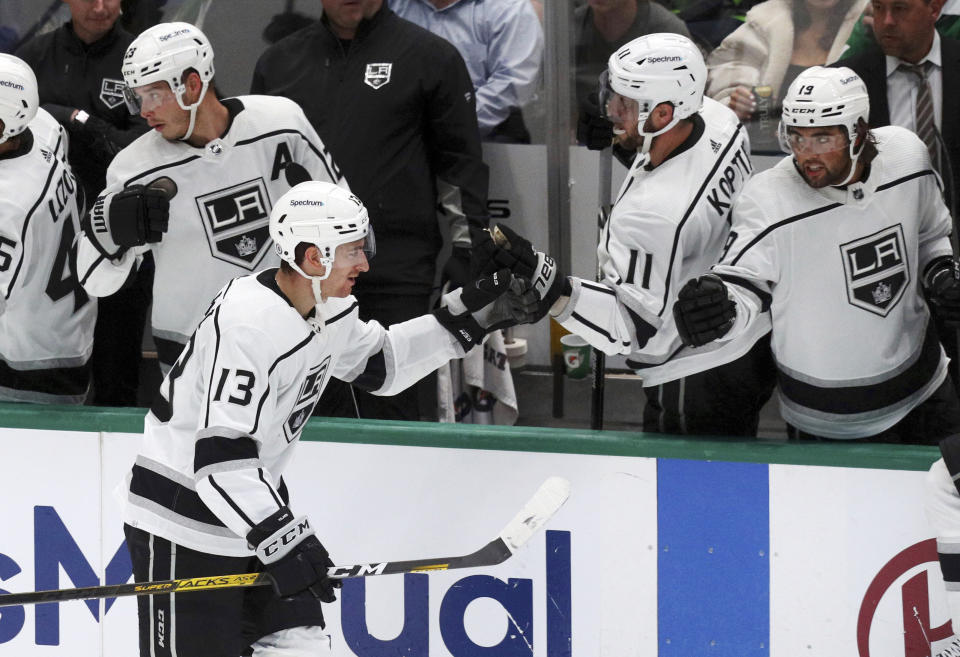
374,374
668,279
290,131
168,494
273,493
597,287
789,220
263,398
26,220
229,500
593,327
170,165
765,297
900,181
341,315
220,449
213,365
644,329
93,267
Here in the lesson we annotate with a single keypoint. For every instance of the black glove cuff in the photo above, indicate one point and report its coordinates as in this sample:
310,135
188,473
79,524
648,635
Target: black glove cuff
95,226
276,536
938,267
464,327
269,526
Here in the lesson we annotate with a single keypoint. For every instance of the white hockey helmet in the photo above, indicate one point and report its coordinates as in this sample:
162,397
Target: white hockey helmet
654,69
163,53
19,98
321,214
823,97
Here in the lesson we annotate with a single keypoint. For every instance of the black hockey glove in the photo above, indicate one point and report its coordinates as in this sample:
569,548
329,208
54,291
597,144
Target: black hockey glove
515,252
487,304
703,311
942,283
138,215
294,558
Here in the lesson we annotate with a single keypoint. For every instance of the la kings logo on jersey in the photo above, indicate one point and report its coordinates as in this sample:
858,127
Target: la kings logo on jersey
309,394
236,221
877,270
111,92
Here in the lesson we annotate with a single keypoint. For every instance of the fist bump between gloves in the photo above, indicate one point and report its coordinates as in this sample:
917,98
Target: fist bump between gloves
492,302
545,281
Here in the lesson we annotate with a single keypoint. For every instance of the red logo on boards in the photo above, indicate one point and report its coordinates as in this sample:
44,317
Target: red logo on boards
918,635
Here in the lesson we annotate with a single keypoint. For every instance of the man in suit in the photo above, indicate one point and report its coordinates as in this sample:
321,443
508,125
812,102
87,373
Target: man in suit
907,36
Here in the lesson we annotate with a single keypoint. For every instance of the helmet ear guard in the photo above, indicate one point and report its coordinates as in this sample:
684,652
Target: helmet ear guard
19,96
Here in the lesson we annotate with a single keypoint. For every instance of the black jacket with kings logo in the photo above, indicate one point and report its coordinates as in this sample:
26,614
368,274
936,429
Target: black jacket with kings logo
395,106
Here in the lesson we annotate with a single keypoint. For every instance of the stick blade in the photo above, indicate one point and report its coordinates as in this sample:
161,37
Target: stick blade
536,512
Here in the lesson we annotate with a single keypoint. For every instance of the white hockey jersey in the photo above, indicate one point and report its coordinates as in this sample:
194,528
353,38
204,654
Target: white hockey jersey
668,225
46,318
219,217
231,410
839,271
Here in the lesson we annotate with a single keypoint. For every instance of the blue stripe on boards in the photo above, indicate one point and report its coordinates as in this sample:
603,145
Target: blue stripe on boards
713,566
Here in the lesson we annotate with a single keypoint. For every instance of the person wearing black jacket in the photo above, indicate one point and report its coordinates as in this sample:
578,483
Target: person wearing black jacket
395,106
78,71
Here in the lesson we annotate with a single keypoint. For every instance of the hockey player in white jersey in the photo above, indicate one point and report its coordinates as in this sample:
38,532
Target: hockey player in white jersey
206,494
197,189
837,244
46,319
670,222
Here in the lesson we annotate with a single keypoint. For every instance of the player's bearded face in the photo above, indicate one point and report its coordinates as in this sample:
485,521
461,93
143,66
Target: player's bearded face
822,154
624,113
349,261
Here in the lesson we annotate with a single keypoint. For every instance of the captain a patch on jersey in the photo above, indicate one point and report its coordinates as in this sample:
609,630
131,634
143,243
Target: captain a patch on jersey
309,394
236,221
877,271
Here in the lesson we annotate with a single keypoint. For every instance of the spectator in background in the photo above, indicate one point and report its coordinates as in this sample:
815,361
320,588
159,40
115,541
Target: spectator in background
394,104
862,38
600,28
501,42
78,70
46,319
754,66
916,99
909,75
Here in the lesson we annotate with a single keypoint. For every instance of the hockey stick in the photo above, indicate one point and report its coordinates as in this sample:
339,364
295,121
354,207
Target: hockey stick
604,173
536,512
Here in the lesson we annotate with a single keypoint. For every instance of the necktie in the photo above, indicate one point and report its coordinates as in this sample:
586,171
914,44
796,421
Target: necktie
926,128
